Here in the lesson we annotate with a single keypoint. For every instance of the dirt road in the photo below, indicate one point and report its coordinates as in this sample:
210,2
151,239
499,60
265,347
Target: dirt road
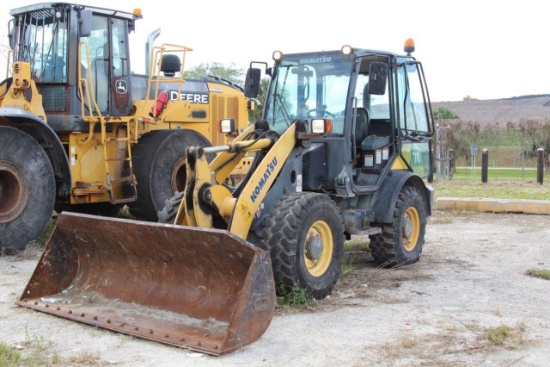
469,302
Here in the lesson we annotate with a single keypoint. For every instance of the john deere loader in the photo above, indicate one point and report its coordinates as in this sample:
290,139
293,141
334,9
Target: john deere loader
80,131
344,148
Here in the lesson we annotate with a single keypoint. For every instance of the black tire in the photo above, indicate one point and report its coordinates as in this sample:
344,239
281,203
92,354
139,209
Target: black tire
159,165
401,242
27,190
312,262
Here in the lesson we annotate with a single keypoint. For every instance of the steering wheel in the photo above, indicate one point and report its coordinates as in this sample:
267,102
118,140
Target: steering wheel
318,111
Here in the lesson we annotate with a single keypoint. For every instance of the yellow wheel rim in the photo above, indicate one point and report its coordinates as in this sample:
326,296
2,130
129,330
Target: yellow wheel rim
318,248
410,228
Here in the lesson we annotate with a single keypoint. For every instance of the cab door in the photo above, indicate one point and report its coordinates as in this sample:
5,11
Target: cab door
105,65
416,121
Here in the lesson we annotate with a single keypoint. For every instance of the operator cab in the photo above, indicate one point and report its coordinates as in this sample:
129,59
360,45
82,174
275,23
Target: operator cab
373,104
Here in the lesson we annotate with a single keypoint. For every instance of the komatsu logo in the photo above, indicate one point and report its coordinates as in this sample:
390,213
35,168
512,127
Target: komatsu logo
315,60
191,97
268,171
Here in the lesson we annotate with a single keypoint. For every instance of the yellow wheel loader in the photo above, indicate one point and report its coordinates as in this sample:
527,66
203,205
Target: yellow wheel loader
344,148
80,131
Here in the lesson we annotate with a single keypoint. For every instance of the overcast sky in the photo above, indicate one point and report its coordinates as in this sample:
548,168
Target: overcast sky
483,49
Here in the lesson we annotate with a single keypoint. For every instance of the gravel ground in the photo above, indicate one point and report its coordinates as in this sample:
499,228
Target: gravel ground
469,301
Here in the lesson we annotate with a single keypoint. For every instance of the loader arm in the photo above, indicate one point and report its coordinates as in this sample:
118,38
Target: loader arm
206,198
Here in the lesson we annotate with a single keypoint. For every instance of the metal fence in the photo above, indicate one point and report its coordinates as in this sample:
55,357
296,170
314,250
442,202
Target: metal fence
488,159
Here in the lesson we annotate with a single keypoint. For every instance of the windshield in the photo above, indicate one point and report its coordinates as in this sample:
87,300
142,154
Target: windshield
43,43
309,86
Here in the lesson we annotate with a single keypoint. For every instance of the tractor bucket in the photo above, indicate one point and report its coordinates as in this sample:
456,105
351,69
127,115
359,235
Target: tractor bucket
204,290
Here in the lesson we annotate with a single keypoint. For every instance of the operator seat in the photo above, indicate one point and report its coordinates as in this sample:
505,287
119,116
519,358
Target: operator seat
361,124
101,65
363,117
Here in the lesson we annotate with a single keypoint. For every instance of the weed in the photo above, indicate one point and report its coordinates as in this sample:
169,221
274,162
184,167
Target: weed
408,341
295,296
85,358
348,266
540,273
498,335
509,337
45,236
9,356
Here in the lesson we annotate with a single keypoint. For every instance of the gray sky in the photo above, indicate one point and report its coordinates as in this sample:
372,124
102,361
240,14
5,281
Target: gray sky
484,49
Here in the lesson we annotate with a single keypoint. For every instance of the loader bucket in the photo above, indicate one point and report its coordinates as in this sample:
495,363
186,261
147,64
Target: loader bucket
204,290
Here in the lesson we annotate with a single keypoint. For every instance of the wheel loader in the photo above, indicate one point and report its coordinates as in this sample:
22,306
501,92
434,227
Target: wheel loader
344,148
80,131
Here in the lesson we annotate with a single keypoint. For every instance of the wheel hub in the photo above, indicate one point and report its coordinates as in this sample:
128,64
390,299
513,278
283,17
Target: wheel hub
314,247
407,228
14,190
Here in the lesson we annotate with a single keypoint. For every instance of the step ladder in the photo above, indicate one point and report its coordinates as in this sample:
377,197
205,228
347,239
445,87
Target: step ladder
120,178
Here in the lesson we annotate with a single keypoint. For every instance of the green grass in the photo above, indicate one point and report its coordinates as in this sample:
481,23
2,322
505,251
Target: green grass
9,356
540,273
498,335
36,352
295,296
496,174
494,190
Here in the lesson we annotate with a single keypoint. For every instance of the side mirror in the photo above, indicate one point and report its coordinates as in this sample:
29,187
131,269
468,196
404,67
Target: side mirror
378,76
252,83
11,34
85,29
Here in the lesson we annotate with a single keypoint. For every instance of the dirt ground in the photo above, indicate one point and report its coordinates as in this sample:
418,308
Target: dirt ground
469,301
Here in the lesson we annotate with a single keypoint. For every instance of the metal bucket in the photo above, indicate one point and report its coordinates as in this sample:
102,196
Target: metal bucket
205,290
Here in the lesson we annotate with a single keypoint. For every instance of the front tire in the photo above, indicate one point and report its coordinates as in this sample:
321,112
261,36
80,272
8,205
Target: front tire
160,167
401,242
27,190
305,238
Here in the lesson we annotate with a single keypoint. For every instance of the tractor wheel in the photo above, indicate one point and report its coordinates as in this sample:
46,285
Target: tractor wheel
304,234
159,164
401,242
27,190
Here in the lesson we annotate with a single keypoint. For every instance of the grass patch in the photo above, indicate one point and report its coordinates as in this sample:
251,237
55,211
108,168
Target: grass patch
295,296
35,352
9,356
38,352
506,336
348,266
358,242
46,234
85,358
500,174
497,190
540,273
498,335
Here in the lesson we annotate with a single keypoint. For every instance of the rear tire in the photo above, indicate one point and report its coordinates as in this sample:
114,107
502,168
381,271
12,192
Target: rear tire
401,242
160,168
27,190
305,237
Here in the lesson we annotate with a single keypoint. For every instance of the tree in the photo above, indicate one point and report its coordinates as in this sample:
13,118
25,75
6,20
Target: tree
256,114
235,76
227,72
443,113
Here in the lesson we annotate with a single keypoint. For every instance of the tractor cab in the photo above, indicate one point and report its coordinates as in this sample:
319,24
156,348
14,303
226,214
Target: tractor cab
373,108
